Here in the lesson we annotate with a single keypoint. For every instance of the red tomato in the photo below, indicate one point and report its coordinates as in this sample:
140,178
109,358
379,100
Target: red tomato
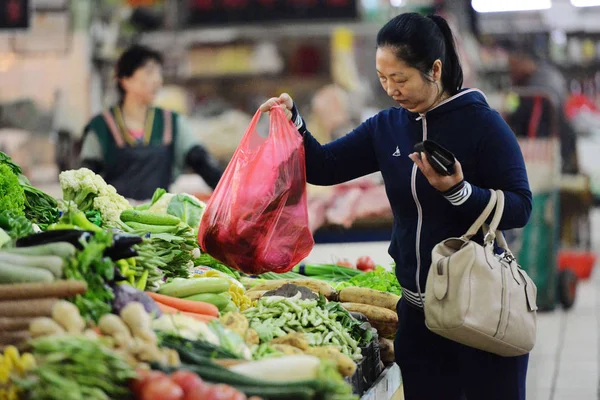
365,263
345,263
225,392
162,389
145,376
187,380
200,392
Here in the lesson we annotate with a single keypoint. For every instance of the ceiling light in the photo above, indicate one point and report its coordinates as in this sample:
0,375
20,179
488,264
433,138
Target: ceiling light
585,3
486,6
397,3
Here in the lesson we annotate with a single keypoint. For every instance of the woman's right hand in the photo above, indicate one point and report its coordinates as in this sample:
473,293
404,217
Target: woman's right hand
284,99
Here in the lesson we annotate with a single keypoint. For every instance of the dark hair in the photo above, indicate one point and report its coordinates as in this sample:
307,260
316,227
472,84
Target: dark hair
131,60
419,41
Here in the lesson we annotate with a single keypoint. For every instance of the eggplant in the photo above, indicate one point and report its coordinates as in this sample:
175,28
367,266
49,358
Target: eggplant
116,254
124,240
73,236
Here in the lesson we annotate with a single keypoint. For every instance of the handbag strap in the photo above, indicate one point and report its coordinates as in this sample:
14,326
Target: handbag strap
482,218
493,228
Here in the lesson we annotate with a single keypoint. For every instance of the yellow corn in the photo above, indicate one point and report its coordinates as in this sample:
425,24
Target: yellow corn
28,361
12,353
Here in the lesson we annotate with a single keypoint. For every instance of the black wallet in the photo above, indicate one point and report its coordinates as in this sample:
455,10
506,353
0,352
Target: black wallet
441,159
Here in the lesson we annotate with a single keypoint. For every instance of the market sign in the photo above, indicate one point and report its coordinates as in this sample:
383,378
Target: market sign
207,12
14,14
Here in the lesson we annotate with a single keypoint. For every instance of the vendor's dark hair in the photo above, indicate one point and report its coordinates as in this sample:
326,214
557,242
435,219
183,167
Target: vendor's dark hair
131,60
419,41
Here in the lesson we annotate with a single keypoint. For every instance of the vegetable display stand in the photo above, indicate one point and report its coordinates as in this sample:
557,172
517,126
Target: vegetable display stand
386,385
368,369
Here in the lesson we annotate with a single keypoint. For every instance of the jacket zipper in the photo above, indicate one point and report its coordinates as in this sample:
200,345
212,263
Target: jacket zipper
413,185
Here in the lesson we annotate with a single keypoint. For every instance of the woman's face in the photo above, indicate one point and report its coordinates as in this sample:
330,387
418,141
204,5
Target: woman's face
406,85
145,82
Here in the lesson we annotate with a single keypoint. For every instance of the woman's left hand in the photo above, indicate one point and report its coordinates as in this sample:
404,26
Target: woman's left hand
442,183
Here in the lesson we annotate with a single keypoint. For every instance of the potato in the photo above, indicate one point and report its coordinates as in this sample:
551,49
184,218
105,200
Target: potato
251,337
345,365
386,349
296,339
369,296
287,349
373,313
236,322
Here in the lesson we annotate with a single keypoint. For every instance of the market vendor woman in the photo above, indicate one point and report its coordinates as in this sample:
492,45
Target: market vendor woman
136,147
418,66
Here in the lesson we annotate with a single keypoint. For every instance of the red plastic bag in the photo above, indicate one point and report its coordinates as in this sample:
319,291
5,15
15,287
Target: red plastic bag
257,218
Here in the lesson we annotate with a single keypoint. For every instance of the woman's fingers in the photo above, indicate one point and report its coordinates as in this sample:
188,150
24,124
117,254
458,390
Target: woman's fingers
267,105
286,99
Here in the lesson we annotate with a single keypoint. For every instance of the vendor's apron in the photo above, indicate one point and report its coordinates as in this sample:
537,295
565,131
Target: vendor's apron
136,168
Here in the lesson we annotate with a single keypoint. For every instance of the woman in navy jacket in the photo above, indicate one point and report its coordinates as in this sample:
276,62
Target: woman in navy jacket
418,67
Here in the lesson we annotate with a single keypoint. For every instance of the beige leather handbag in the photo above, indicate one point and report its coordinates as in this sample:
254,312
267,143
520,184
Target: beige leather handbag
478,298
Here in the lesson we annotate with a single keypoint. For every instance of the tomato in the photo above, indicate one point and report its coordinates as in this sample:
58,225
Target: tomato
145,376
225,392
200,392
187,380
365,263
345,263
162,389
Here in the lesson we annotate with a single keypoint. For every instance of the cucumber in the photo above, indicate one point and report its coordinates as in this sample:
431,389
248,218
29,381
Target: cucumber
140,227
149,218
11,273
61,249
218,300
189,287
54,264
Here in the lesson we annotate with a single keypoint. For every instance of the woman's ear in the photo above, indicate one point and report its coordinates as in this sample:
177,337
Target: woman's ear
436,70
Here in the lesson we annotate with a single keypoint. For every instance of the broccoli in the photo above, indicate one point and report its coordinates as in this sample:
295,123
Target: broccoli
12,195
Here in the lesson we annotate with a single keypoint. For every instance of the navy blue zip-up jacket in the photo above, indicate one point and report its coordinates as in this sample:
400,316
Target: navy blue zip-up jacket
479,138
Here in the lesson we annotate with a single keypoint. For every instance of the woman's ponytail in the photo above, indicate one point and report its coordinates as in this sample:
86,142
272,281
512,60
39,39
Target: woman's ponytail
452,74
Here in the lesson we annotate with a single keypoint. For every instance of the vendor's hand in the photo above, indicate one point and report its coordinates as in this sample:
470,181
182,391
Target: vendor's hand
440,182
284,99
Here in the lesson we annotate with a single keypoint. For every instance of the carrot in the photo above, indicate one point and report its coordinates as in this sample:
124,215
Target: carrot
62,288
199,317
14,324
27,308
197,307
166,309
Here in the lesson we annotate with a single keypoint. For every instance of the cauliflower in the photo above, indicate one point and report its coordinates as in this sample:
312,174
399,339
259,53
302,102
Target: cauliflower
81,186
111,207
90,192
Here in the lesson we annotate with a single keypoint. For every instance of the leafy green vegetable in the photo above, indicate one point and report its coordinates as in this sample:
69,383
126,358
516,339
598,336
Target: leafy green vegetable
12,195
94,217
380,279
16,225
187,208
40,207
98,271
230,340
76,367
207,260
4,238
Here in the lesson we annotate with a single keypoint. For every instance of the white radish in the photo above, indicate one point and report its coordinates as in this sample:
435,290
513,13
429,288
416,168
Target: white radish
281,369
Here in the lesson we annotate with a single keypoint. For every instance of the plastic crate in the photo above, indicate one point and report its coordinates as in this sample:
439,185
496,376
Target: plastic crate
368,369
